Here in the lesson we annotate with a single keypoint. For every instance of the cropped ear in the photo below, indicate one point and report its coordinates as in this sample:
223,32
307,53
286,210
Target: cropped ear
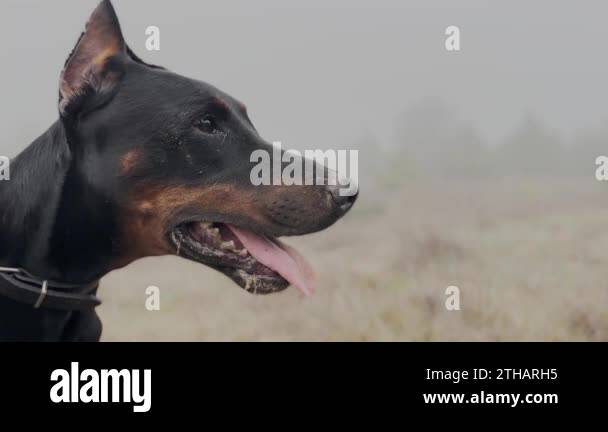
96,64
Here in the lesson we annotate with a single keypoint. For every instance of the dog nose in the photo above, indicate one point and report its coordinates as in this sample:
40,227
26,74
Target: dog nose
344,202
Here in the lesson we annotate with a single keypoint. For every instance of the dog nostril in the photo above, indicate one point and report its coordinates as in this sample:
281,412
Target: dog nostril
344,202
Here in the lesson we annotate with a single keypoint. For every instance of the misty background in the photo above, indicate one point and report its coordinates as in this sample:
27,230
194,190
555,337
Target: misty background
477,167
355,74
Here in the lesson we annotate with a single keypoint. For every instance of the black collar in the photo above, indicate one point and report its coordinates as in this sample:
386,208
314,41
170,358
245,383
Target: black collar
21,286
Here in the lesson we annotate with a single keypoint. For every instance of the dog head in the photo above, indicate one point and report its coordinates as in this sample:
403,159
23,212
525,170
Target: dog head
172,157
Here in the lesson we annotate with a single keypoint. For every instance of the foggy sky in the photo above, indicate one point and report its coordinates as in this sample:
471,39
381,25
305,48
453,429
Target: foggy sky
317,74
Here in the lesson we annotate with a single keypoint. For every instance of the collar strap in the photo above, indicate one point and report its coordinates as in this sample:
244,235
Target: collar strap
19,285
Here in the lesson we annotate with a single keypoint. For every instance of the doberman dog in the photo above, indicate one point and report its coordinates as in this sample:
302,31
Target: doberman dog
141,162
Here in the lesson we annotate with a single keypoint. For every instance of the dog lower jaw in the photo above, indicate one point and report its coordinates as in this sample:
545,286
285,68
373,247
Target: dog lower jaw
256,284
222,256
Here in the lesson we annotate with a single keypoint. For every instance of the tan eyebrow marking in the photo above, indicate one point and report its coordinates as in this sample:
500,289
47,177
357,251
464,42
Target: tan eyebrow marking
220,102
128,161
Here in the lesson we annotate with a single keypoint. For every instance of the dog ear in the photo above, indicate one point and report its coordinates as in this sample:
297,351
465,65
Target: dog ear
95,66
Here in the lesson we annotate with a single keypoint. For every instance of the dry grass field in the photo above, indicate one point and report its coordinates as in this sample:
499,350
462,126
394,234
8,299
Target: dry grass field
529,256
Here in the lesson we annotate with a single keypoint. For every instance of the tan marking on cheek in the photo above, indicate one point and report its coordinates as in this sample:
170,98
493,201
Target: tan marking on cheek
145,207
148,218
128,161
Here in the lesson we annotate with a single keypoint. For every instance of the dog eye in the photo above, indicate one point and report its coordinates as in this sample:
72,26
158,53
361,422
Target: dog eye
207,125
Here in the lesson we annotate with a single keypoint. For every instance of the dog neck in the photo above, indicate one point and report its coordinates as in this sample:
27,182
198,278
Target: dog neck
48,219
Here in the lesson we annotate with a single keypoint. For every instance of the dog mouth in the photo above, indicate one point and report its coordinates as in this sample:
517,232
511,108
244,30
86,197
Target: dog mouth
257,263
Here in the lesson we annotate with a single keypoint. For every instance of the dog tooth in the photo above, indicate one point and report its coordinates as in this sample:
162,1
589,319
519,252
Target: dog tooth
228,245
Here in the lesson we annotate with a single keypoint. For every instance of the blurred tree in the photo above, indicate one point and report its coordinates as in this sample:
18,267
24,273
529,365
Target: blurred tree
532,149
439,143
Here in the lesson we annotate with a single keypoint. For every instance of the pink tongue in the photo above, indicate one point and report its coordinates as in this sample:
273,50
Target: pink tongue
284,260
